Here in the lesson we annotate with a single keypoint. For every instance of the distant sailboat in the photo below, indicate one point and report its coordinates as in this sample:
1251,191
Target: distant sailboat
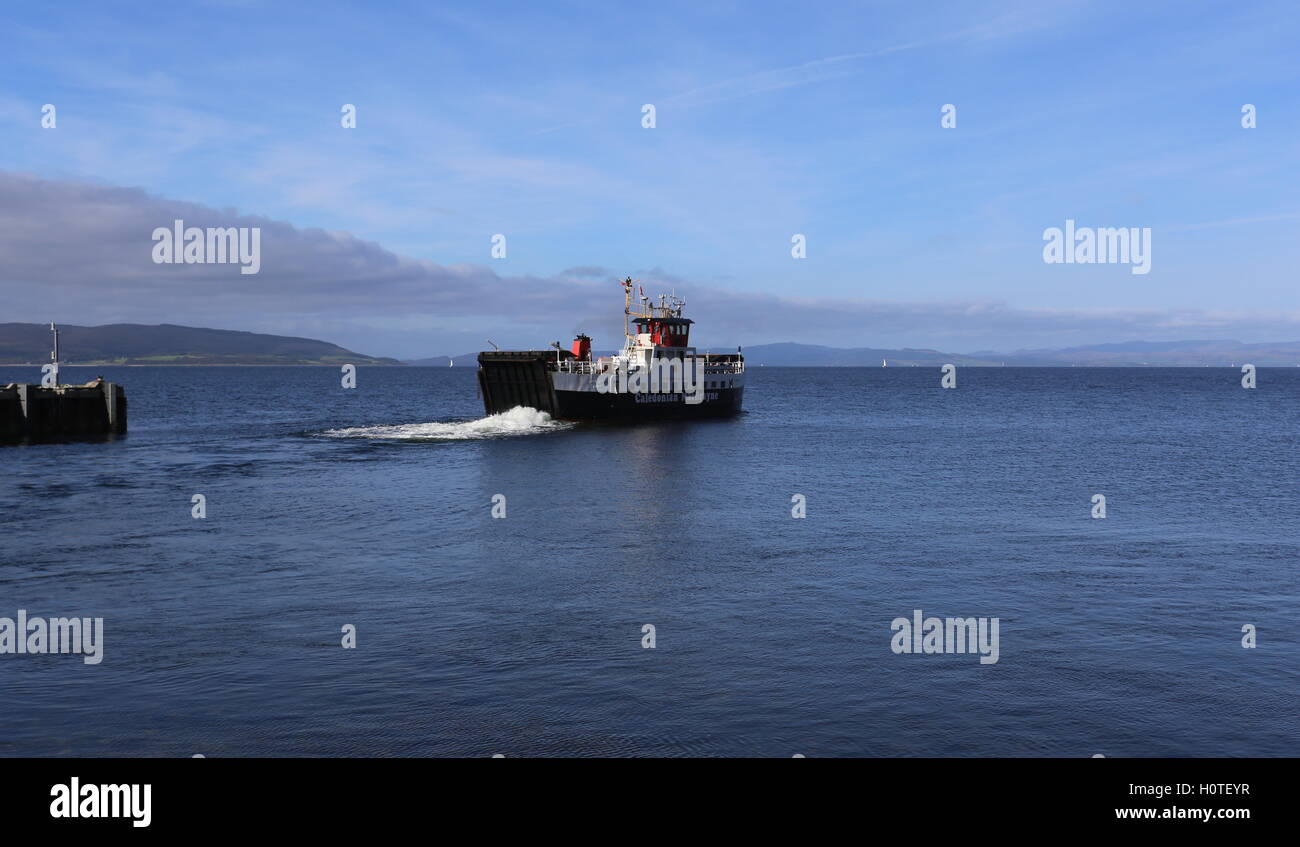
450,361
883,363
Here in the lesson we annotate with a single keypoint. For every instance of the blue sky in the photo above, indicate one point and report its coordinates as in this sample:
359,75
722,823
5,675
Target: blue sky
772,119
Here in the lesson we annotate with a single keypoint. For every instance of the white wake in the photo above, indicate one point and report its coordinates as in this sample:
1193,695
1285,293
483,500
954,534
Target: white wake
521,420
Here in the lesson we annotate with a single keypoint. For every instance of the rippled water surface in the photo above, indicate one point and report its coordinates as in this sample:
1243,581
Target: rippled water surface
523,635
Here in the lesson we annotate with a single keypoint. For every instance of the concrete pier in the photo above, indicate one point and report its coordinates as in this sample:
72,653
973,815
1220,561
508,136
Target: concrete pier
68,411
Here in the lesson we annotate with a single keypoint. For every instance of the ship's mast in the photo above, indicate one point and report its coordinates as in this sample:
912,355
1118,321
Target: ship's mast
628,314
670,306
627,307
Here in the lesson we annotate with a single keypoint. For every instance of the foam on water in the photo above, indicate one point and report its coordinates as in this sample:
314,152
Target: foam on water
521,420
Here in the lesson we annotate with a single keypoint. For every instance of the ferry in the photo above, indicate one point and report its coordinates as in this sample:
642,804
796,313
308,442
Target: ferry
656,376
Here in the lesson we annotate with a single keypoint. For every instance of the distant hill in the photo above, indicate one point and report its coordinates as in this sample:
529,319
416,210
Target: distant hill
470,360
791,354
1219,353
1194,353
788,354
1126,354
465,360
168,344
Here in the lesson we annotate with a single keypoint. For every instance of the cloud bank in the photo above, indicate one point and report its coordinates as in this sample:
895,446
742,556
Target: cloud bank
80,252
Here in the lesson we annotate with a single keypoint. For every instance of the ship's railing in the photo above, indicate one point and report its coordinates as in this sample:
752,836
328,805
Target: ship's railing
576,366
728,363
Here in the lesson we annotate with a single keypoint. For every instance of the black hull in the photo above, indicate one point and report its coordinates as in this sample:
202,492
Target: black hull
521,378
592,406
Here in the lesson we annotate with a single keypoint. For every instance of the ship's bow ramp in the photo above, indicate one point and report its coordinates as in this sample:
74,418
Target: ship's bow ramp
509,378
